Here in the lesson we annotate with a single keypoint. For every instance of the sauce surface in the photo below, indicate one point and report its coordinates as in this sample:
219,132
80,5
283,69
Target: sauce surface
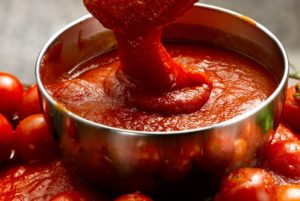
238,85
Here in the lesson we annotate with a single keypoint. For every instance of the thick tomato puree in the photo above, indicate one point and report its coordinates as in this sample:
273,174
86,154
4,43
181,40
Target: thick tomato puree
238,85
147,77
149,87
42,181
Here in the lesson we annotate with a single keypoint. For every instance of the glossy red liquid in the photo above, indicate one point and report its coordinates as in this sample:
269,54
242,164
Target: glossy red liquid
239,84
41,182
147,76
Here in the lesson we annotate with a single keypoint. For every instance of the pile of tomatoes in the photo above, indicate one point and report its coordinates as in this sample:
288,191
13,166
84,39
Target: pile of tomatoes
278,176
29,164
24,132
27,148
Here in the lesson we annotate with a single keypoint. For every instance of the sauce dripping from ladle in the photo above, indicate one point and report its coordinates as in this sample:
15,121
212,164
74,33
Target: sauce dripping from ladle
153,80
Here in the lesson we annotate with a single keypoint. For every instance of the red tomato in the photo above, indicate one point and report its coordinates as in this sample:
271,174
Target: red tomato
133,197
30,103
284,158
34,139
247,184
288,193
6,138
291,110
69,196
283,133
11,92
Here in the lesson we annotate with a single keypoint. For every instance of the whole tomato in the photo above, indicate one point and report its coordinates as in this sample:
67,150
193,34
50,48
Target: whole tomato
283,132
6,138
33,139
283,157
248,184
30,103
133,197
291,110
11,92
288,193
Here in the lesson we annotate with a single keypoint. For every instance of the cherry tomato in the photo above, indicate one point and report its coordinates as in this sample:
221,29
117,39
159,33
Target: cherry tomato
288,193
133,197
34,140
69,196
11,92
6,138
248,184
284,158
291,110
30,103
283,133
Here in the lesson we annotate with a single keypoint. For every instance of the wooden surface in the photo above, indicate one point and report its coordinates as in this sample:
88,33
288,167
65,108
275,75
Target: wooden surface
25,26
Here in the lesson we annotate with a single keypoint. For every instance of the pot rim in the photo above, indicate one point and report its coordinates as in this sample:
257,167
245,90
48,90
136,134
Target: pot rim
223,124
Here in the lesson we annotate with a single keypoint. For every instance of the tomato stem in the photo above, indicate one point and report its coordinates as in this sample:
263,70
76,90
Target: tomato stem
297,88
297,92
295,74
26,86
296,96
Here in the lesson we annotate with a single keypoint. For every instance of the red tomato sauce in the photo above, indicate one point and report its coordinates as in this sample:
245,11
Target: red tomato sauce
147,77
41,182
238,85
190,86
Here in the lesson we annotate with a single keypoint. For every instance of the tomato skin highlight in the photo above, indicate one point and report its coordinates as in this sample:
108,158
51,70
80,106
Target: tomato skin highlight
34,141
288,193
284,158
248,184
291,110
6,138
284,132
11,92
133,197
30,103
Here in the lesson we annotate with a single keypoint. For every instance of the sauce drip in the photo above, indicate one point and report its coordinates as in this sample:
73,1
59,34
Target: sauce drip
147,76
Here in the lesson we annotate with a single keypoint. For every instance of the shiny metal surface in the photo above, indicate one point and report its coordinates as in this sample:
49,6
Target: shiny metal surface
125,161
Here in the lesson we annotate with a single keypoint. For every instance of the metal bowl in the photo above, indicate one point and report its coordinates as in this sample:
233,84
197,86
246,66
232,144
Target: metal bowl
121,160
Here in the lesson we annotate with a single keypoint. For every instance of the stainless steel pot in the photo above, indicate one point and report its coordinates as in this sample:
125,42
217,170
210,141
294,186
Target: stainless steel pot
123,160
